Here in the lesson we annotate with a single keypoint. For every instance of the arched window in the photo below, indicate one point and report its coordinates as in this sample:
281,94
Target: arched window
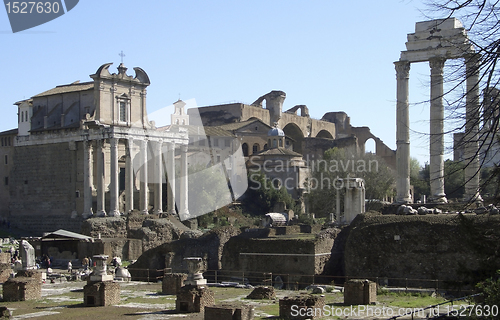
255,148
265,146
281,143
275,143
26,115
244,147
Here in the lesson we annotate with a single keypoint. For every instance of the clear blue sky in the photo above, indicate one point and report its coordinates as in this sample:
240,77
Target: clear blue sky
329,55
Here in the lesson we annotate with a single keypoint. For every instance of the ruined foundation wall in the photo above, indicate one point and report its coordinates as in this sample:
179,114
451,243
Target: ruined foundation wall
446,247
283,256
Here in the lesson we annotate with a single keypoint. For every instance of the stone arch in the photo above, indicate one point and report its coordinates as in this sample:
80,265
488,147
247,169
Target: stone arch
293,131
324,134
370,146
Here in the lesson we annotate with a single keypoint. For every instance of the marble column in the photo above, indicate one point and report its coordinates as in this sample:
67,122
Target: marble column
129,175
171,178
347,202
436,165
87,179
184,201
158,201
144,178
471,142
114,192
402,133
101,191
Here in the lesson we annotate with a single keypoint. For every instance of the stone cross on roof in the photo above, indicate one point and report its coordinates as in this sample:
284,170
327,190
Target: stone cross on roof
121,54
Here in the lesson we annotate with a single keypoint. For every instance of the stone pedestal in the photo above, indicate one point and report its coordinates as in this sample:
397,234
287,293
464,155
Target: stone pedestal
194,299
359,292
306,302
229,312
100,294
173,282
21,289
195,277
100,273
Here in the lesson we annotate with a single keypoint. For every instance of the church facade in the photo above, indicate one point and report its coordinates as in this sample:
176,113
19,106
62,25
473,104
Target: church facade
88,149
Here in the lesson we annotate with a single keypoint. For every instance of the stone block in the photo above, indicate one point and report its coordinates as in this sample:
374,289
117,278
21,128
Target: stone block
5,272
99,294
360,292
21,289
194,299
310,303
261,293
229,312
5,257
35,274
173,282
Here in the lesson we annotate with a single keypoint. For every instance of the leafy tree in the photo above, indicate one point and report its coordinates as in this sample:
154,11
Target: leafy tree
419,178
339,164
262,195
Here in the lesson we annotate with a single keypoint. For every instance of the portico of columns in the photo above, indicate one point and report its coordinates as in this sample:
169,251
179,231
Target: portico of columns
436,41
100,146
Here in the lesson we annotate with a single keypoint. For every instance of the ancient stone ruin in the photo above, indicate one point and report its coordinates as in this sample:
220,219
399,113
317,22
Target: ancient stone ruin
229,312
100,289
195,295
357,292
261,293
437,41
173,282
305,303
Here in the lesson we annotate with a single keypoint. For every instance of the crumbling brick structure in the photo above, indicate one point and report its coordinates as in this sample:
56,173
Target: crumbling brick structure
102,293
5,257
194,299
172,283
261,293
358,292
35,274
21,289
5,272
229,312
313,306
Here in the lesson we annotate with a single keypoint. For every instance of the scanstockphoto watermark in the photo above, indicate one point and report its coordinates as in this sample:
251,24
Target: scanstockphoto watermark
354,311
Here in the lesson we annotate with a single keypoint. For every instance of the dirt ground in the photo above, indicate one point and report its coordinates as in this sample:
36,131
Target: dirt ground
142,300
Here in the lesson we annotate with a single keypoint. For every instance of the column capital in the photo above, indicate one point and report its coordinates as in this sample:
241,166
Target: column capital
437,65
402,69
184,147
171,146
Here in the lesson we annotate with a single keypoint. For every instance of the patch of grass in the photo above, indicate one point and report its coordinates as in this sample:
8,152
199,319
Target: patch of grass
409,300
271,309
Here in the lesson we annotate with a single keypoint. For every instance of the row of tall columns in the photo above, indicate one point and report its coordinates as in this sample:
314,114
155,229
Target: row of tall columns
436,166
130,153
